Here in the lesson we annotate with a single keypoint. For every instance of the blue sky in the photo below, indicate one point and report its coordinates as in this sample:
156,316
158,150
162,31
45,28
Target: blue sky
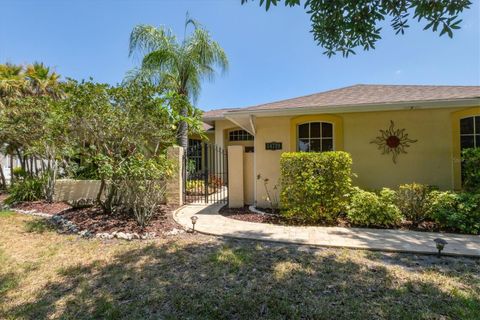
272,54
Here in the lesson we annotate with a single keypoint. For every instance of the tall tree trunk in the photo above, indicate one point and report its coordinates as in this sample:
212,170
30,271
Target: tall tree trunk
11,169
36,166
182,134
31,167
2,177
21,159
27,169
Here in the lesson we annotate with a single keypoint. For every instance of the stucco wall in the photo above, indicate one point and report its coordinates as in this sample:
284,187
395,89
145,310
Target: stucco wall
73,190
248,178
267,162
236,189
427,161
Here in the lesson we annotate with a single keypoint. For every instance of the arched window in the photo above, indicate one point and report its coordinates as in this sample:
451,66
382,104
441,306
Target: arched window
470,132
315,137
239,135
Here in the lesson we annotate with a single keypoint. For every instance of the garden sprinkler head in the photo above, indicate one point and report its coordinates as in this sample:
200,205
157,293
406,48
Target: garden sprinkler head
440,243
194,221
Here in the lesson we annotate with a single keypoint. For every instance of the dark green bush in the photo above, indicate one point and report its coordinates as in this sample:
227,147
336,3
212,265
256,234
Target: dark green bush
456,211
413,201
370,209
471,169
28,189
315,186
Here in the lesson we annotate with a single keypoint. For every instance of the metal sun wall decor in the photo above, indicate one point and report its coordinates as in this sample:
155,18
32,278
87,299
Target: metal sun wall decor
393,141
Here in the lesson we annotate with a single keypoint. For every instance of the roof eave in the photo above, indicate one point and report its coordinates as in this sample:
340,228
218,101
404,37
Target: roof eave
407,105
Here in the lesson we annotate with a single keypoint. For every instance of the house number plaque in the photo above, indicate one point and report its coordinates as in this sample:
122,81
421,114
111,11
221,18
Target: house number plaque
273,146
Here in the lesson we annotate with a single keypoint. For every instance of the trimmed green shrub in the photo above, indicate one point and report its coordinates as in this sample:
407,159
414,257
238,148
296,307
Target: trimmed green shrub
370,209
471,169
29,189
413,201
315,186
456,211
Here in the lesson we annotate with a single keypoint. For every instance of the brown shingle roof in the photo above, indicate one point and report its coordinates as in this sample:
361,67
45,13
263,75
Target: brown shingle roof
372,94
207,127
217,113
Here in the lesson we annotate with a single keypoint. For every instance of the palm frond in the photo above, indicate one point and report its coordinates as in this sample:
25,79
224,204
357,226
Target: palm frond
146,38
180,67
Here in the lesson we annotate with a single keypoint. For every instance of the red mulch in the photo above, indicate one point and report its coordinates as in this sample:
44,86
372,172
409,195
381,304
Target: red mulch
94,220
43,206
422,226
244,214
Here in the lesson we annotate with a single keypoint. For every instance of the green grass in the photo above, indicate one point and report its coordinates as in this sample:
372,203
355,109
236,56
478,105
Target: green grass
38,226
50,276
6,214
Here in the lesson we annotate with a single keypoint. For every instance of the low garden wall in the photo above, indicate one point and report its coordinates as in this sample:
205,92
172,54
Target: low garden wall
69,190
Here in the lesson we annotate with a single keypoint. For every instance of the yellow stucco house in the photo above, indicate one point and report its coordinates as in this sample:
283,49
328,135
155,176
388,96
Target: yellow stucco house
424,130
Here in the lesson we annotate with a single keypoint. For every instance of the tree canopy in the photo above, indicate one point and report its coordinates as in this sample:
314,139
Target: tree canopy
179,66
342,26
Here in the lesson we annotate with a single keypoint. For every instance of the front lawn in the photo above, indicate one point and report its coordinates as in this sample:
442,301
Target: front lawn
47,275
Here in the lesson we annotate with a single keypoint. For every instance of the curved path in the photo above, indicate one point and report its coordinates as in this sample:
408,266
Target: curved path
211,222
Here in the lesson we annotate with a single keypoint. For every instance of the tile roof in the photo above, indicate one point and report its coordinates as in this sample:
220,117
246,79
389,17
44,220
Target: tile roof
363,94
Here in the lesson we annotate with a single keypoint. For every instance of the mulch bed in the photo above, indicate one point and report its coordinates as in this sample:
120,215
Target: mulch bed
244,214
94,220
43,206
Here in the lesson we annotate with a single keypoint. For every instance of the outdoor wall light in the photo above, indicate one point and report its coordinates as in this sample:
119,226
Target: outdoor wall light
194,221
440,243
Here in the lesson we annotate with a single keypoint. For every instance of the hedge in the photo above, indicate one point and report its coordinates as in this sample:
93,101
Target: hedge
371,209
471,169
315,186
456,211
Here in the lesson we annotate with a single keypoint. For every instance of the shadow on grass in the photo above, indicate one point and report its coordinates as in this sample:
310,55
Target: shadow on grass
8,282
244,280
39,226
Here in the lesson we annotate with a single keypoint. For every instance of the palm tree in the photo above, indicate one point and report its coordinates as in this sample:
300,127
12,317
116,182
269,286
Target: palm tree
22,82
12,85
42,81
12,82
178,66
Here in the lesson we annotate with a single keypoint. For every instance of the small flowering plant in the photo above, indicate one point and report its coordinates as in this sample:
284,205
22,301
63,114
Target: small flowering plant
270,196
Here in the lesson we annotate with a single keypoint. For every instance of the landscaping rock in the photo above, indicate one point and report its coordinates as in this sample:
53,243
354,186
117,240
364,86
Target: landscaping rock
148,235
124,236
174,232
105,235
85,234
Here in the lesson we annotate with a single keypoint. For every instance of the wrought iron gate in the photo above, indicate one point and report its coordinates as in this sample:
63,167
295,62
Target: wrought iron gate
205,174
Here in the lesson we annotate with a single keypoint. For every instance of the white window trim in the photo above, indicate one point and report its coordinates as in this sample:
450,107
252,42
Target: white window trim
233,130
298,134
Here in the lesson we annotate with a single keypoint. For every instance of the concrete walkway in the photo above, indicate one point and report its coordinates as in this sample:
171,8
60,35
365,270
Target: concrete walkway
211,222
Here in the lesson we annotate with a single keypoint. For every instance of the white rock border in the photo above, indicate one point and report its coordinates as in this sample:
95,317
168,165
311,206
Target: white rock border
31,213
66,226
254,209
